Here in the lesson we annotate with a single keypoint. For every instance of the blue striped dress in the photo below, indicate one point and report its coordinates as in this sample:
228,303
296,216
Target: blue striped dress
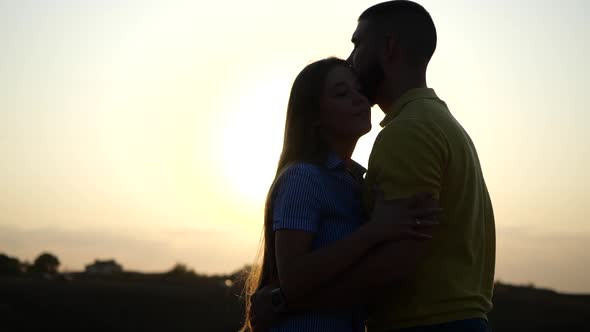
325,201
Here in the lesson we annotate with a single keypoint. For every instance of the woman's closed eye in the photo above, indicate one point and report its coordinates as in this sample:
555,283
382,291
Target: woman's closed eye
342,91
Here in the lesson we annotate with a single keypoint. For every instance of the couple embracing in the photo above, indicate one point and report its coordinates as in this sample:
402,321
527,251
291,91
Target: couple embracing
407,244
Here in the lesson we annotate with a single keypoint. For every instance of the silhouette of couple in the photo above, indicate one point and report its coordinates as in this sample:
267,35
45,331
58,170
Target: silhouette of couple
408,246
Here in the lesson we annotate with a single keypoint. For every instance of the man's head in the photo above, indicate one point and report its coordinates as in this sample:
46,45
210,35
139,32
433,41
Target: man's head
391,37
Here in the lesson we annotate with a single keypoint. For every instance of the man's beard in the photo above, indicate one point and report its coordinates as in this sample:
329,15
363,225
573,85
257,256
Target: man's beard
371,80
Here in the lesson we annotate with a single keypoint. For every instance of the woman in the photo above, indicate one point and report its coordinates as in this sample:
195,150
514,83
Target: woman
314,228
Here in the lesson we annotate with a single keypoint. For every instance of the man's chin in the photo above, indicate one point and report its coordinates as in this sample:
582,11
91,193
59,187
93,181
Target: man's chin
372,100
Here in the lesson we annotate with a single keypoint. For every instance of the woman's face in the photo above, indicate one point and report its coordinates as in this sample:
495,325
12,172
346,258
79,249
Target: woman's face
344,112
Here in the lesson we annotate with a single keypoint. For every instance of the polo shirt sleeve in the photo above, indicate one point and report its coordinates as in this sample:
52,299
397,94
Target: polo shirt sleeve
408,157
296,200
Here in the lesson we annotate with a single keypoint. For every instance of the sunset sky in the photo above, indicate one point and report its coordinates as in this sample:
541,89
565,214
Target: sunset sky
149,131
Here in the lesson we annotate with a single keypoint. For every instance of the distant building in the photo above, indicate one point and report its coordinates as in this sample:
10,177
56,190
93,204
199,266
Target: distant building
104,267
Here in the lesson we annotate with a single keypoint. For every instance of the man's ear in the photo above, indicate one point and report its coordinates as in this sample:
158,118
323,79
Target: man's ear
390,47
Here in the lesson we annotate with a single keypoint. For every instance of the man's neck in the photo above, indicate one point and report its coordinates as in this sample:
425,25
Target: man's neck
399,88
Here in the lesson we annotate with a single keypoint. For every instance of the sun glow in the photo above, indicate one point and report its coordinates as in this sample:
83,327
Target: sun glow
252,138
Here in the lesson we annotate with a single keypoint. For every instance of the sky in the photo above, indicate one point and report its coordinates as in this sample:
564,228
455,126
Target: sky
149,131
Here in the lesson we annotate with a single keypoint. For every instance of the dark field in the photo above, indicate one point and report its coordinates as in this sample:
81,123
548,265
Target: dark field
156,302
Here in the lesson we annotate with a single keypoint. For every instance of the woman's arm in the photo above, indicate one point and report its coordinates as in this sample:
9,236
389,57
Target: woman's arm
387,267
297,216
330,277
302,270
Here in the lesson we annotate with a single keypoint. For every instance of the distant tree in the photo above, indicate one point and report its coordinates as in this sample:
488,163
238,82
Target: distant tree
46,263
181,270
25,266
9,266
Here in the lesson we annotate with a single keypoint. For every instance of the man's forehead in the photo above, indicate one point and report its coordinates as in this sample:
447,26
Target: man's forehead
360,31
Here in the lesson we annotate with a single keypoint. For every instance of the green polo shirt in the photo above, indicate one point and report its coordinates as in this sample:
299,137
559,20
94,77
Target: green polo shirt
422,148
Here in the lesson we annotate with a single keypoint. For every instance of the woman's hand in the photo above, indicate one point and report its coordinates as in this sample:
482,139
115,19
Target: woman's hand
262,315
411,218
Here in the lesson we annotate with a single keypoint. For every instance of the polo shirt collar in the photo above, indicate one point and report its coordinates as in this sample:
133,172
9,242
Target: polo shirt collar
409,96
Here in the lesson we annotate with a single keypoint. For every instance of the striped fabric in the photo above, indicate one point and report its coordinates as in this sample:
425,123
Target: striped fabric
325,201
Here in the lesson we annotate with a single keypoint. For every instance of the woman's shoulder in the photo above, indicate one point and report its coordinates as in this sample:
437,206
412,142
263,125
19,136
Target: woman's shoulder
302,166
300,171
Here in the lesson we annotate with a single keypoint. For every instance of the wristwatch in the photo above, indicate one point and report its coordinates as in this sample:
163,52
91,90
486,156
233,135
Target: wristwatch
279,304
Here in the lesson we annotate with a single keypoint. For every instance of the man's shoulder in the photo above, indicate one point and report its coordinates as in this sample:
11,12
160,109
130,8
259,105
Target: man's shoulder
412,137
409,126
424,110
418,118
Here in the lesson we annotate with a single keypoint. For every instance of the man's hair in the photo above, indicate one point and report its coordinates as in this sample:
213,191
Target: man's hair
409,23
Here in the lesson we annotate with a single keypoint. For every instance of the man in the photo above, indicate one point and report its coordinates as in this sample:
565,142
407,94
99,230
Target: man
421,148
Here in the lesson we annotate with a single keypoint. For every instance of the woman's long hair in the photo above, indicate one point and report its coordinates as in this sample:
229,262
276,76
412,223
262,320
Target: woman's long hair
303,142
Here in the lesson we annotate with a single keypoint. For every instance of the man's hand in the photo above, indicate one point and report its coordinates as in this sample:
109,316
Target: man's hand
262,315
